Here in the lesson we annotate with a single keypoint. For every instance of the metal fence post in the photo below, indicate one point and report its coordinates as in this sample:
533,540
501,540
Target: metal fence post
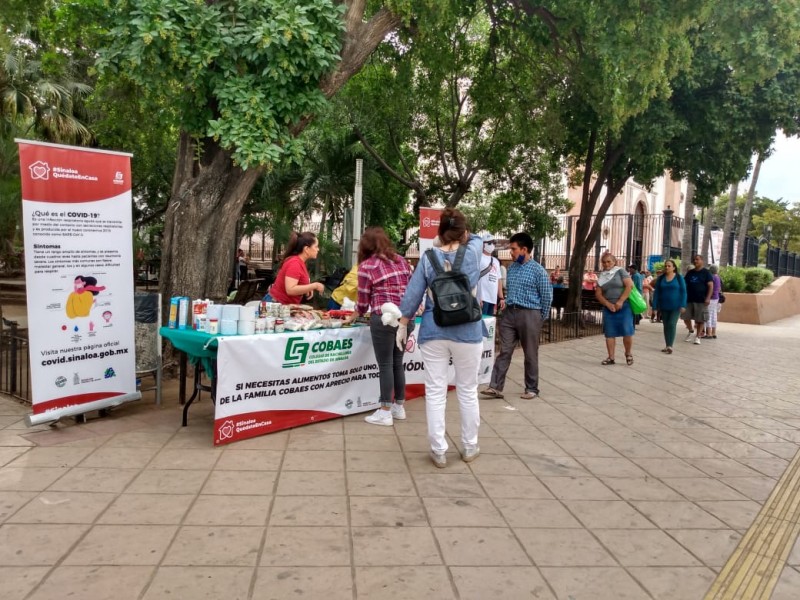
13,358
666,240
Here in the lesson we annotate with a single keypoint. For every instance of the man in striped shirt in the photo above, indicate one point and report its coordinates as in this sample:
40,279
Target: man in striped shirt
526,306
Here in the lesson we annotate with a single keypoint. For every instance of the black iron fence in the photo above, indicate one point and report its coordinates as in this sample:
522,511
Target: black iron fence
782,262
636,238
15,377
571,326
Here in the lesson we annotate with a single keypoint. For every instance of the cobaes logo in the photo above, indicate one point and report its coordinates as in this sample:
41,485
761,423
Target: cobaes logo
300,352
40,170
296,352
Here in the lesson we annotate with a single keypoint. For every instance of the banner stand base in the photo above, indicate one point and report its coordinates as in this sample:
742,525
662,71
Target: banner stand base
53,416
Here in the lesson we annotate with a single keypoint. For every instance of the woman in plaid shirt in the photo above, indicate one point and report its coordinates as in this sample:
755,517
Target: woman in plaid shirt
383,277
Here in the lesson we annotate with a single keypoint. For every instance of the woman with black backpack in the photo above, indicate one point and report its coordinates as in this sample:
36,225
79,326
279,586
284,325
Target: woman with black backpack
451,330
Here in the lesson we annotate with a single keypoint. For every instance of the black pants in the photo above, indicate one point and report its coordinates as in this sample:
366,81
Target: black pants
390,360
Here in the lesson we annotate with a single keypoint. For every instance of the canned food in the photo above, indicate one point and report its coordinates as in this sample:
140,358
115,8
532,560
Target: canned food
279,326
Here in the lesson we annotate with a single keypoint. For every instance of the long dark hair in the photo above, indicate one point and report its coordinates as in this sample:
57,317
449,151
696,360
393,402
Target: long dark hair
297,242
88,282
375,242
452,226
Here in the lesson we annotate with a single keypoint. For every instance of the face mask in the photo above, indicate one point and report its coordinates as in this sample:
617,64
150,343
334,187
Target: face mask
489,248
521,259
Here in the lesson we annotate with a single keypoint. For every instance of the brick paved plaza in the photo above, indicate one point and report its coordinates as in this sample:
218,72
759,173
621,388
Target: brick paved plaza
619,483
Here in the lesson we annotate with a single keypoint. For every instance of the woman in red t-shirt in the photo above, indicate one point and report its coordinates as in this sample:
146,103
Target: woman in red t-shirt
292,283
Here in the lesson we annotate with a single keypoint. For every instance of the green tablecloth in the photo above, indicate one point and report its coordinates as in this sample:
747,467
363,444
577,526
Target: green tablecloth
200,347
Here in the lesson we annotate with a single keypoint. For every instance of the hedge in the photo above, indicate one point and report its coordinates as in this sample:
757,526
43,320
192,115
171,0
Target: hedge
748,280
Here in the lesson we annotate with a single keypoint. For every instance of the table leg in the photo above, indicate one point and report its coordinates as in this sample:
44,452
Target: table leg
182,378
195,392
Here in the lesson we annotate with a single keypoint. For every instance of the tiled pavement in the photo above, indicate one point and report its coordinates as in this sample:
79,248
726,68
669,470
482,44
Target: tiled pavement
619,483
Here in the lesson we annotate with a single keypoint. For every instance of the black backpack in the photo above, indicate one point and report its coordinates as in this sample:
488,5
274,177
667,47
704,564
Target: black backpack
453,302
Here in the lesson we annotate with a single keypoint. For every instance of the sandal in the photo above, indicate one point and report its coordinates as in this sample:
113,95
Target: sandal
629,359
669,350
608,361
665,350
491,393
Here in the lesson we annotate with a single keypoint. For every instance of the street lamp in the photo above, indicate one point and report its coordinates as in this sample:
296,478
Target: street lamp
785,241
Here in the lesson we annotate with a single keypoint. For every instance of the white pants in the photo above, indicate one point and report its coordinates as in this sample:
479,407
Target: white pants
466,360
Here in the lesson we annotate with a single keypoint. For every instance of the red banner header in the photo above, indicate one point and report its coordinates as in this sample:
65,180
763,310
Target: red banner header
54,174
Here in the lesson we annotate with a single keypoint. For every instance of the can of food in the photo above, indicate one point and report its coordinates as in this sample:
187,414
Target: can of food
269,325
261,325
279,326
213,326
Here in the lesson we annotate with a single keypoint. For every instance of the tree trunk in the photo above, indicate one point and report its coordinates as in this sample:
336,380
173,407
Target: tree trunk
589,225
708,221
727,232
688,226
209,191
200,223
744,224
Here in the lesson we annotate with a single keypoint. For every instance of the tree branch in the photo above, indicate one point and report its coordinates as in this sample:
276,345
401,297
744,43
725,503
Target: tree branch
414,185
440,143
396,146
360,41
454,132
588,167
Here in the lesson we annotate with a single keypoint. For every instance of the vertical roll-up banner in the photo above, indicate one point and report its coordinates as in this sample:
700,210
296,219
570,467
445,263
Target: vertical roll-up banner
428,227
76,206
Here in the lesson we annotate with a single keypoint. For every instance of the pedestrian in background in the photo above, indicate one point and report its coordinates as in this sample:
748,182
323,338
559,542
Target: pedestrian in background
647,286
490,286
713,306
699,287
614,285
638,283
669,297
555,274
526,306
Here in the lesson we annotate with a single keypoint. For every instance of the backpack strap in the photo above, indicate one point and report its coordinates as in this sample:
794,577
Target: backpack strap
462,250
487,269
434,260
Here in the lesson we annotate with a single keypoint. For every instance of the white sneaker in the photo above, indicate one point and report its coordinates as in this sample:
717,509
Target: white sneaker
470,453
439,460
380,417
689,336
696,341
398,412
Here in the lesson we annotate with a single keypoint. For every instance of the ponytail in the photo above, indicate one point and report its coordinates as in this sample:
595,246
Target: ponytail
297,242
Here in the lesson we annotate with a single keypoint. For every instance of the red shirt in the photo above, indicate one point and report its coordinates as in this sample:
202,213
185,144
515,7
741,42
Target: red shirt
294,267
379,281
